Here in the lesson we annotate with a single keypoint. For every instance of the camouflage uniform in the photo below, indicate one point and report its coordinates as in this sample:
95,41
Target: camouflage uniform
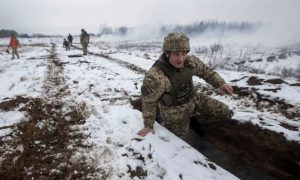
176,117
70,39
84,41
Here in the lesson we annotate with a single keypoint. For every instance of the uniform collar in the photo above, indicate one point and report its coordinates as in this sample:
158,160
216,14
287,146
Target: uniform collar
165,60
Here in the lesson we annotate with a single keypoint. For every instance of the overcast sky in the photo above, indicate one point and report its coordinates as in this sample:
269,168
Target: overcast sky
64,16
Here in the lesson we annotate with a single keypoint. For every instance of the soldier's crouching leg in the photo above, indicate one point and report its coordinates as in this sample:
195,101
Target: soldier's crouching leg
177,118
211,108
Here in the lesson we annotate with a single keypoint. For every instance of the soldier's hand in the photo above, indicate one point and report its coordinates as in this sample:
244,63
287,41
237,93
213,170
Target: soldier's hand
143,132
226,89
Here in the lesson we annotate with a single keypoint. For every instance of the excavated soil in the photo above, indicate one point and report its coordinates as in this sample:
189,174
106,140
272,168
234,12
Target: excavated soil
244,149
254,81
266,102
42,145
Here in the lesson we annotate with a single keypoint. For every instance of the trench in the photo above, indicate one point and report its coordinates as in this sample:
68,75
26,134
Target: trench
243,149
246,150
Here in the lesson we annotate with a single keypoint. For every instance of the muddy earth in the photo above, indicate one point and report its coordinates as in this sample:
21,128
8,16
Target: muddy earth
245,149
44,142
42,146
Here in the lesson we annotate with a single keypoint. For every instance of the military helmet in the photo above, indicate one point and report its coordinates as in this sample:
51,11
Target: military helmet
176,41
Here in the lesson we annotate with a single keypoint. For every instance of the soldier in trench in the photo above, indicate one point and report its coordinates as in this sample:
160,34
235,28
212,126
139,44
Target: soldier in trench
168,84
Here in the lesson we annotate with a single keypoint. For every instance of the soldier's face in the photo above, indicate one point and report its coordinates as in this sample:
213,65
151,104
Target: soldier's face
177,58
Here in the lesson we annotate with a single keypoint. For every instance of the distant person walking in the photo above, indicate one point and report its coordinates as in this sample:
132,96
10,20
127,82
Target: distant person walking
66,45
14,44
84,41
70,39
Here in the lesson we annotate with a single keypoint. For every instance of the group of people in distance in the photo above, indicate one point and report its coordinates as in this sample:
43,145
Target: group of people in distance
68,43
84,41
168,88
14,43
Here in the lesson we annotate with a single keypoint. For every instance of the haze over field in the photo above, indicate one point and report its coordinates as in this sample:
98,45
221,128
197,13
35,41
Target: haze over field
67,16
65,115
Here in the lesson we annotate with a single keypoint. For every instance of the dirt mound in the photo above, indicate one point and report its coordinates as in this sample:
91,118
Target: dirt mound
236,80
241,91
10,104
276,81
253,80
295,84
272,89
42,146
266,102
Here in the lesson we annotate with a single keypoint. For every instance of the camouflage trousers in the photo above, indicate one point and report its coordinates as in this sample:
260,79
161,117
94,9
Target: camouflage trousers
177,118
84,48
15,52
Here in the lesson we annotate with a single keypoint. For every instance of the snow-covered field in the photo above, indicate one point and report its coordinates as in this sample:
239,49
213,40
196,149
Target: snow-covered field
104,86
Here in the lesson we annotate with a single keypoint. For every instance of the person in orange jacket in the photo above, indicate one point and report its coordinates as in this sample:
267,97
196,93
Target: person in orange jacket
14,44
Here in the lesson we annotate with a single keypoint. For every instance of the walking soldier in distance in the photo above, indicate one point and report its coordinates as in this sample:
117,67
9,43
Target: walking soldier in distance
84,41
70,39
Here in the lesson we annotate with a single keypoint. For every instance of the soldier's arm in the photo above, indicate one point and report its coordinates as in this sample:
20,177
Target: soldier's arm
18,43
203,71
152,89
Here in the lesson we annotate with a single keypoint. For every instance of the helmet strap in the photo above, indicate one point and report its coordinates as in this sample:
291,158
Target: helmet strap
167,55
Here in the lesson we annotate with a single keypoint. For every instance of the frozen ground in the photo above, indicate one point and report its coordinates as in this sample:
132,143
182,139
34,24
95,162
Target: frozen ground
46,92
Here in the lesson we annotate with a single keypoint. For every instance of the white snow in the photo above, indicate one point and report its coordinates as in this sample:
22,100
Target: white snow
111,126
9,118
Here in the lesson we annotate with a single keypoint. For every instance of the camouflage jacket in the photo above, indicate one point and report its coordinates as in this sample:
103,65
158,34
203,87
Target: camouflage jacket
156,83
84,38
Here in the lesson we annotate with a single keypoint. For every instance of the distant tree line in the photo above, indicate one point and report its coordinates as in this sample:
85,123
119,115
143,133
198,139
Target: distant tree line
106,30
190,29
211,26
196,28
6,33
